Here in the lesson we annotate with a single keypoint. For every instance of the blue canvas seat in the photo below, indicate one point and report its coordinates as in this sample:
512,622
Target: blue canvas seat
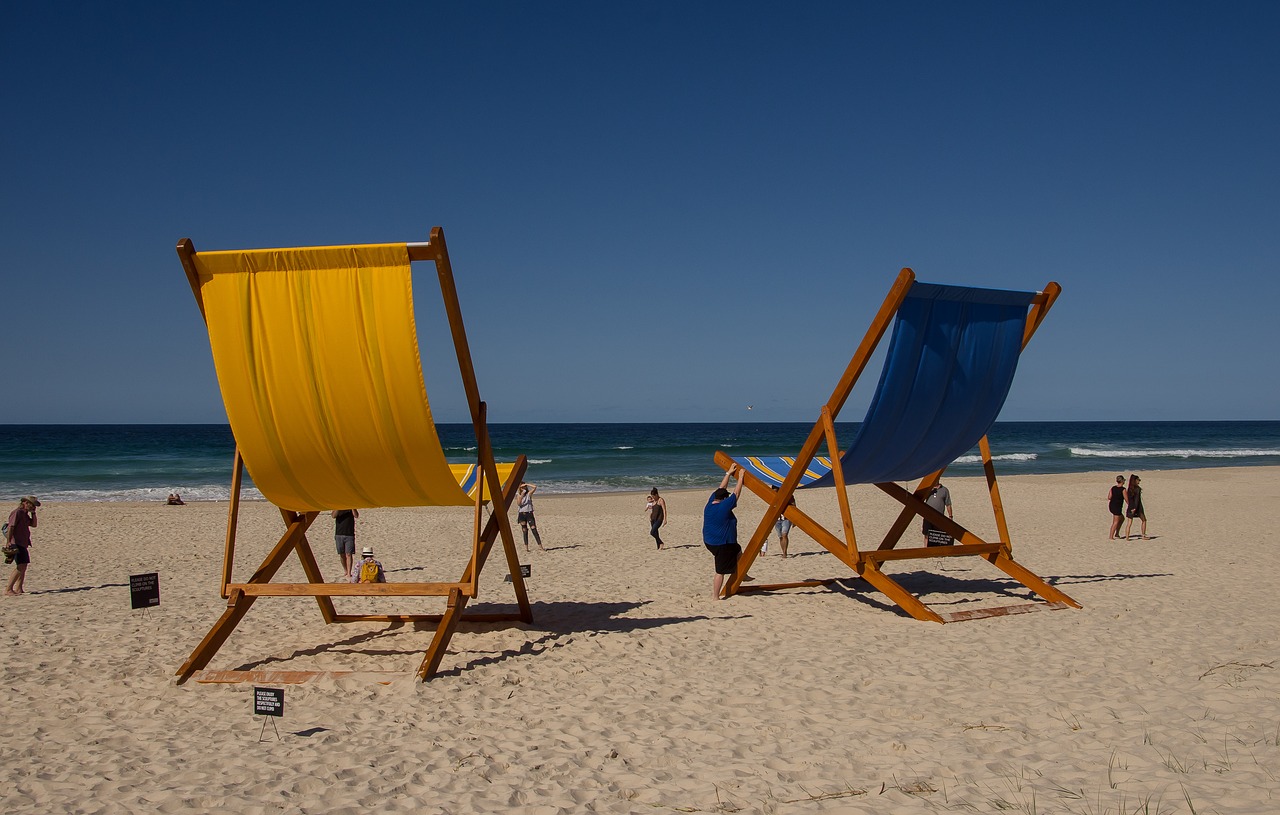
947,372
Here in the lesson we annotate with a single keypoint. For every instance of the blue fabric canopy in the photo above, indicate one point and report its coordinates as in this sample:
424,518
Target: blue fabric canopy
948,370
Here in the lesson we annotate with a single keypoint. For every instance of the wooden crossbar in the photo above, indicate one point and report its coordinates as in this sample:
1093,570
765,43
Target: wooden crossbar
346,589
468,617
288,677
919,552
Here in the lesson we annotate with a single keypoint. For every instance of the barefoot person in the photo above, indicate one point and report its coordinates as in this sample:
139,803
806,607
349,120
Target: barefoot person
720,528
18,533
344,536
940,499
524,514
783,526
1115,503
656,508
1134,496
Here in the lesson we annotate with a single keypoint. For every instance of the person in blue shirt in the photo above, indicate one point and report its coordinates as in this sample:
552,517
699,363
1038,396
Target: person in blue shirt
720,528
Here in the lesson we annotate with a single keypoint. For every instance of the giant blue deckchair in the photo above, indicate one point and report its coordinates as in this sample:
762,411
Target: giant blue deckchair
948,369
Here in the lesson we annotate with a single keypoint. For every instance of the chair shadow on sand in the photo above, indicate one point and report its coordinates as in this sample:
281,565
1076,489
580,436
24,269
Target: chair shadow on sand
946,589
69,589
561,619
557,620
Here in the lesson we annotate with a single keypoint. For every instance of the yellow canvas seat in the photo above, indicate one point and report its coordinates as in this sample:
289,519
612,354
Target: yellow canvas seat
316,354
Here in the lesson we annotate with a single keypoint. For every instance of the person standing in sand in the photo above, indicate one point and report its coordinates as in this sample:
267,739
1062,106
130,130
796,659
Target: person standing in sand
524,514
656,508
783,526
720,528
344,536
1134,496
1115,503
18,533
940,499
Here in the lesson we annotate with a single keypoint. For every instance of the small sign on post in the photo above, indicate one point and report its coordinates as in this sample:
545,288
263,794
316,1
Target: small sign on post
526,570
144,590
269,703
939,538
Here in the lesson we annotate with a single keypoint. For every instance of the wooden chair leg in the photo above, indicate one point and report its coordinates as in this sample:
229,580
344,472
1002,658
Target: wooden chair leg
237,607
457,600
444,631
312,570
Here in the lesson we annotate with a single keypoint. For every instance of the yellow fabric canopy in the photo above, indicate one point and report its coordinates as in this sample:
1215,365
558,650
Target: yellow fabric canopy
317,357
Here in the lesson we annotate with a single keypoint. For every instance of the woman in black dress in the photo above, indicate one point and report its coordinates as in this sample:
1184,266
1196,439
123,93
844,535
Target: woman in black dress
1134,496
1115,503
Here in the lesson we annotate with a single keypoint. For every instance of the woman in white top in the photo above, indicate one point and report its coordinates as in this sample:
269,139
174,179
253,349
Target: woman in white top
656,508
524,514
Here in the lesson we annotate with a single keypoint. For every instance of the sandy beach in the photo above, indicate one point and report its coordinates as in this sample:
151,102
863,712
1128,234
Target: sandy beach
635,691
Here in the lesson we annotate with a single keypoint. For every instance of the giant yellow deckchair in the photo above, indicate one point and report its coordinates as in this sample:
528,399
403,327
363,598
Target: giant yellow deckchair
316,354
947,371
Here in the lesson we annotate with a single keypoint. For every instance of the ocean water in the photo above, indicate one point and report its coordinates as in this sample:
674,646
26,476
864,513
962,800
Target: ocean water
146,462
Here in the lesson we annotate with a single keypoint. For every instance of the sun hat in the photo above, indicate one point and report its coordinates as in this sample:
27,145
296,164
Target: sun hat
367,551
35,502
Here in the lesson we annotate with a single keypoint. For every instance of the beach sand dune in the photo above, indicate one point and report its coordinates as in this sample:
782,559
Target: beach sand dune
635,691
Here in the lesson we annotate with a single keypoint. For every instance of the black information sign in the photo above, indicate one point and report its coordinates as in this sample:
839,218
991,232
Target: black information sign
144,590
939,538
268,701
526,569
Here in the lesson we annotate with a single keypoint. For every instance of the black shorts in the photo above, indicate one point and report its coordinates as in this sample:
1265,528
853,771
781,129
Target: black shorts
22,556
726,557
524,517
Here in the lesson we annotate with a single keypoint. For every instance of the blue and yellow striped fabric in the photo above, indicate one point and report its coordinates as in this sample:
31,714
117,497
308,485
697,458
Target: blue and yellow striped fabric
773,469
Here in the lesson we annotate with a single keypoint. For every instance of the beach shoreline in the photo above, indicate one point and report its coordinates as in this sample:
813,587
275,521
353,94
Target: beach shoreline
634,691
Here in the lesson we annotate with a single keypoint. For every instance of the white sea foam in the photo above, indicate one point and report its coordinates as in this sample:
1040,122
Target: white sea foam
1111,452
151,494
626,447
1002,457
541,460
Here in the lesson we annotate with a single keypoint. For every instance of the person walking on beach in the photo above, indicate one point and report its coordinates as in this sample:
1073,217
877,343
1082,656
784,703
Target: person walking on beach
18,533
524,514
344,536
720,528
1115,503
783,527
1134,496
656,508
940,499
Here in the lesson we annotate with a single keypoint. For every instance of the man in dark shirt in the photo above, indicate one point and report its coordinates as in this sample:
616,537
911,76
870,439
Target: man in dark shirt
344,537
720,528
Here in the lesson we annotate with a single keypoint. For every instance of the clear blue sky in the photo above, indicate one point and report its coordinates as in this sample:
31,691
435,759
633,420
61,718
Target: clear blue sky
656,211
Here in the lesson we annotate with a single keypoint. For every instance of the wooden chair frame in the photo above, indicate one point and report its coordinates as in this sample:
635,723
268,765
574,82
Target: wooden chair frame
867,563
241,596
